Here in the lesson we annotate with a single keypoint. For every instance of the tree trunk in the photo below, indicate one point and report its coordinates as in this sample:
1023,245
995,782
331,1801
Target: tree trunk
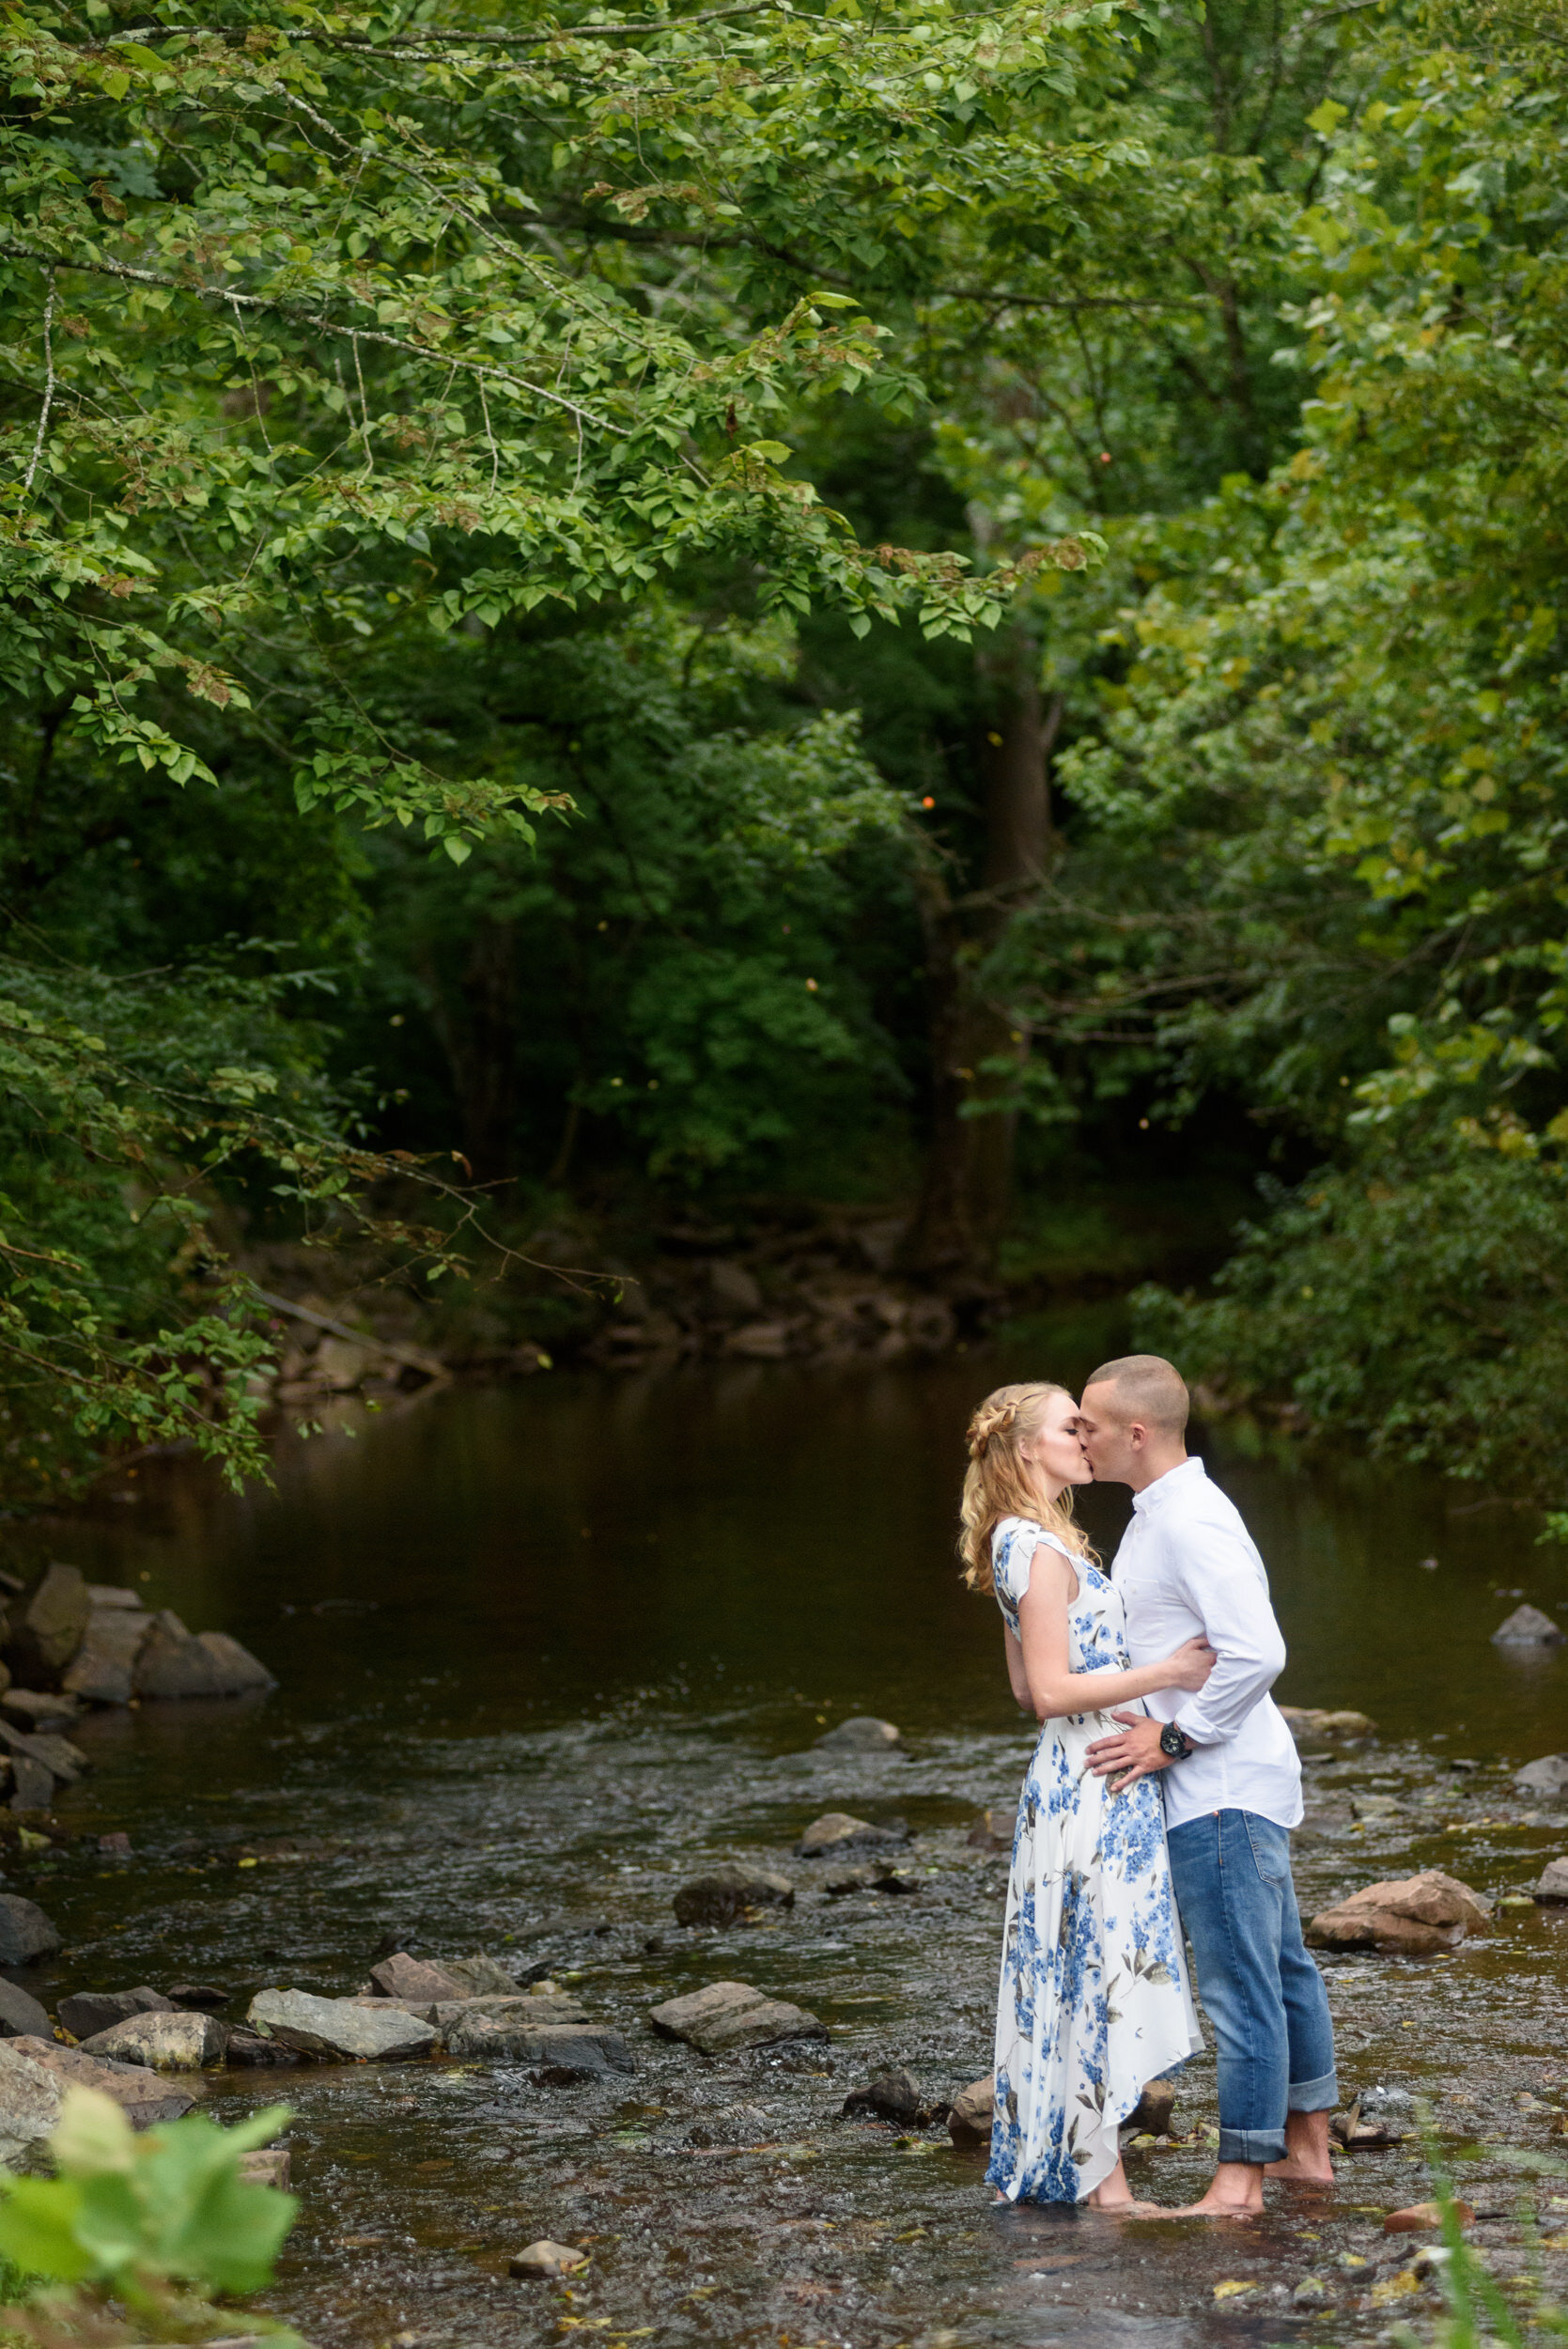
969,1175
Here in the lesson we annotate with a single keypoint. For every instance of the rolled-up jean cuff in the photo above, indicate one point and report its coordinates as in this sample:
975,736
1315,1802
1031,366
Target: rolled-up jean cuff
1254,2145
1313,2095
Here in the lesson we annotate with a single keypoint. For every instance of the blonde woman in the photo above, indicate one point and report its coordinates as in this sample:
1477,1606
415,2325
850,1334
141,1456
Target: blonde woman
1094,2001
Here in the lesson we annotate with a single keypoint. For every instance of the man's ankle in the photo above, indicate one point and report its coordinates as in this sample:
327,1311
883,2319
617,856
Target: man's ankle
1237,2181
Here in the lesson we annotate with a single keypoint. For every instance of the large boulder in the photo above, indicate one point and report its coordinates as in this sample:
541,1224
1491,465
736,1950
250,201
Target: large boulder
560,2047
47,1626
20,2015
1527,1626
25,1933
1406,1916
730,2014
968,2120
725,1895
104,1669
338,2031
161,2043
175,1662
1549,1775
414,1979
30,2101
1553,1884
87,2011
861,1733
145,2099
839,1831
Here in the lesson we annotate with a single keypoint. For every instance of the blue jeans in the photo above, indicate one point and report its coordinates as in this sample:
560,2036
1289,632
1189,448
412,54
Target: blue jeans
1261,1992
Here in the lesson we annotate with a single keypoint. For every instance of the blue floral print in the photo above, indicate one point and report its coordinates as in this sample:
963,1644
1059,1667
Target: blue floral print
1094,2001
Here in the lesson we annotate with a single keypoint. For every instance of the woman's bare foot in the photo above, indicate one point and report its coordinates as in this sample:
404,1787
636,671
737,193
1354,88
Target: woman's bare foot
1130,2209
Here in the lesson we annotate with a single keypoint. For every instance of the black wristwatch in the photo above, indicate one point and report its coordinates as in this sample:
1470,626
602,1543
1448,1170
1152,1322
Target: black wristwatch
1175,1742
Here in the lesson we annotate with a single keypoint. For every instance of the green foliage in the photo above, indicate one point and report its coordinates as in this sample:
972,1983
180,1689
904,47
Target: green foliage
139,2217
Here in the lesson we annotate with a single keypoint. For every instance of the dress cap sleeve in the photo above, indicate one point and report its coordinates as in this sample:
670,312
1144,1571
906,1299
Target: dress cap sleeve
1013,1549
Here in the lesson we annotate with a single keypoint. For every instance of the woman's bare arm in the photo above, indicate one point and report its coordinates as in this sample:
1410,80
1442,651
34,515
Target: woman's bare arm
1015,1672
1054,1689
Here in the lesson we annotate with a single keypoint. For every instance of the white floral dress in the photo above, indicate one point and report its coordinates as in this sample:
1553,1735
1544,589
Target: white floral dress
1094,2001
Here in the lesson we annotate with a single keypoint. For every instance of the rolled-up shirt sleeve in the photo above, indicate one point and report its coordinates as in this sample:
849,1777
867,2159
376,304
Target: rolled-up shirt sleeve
1231,1601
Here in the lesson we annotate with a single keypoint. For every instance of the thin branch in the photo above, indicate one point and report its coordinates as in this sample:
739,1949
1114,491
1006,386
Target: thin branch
48,383
141,34
304,317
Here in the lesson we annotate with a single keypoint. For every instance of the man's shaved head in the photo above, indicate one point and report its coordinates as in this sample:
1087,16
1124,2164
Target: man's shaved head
1146,1387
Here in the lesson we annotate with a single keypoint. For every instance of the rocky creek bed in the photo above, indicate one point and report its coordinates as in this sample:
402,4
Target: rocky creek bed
541,1784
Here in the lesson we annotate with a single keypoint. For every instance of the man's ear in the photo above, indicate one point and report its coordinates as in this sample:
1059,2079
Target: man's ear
1138,1435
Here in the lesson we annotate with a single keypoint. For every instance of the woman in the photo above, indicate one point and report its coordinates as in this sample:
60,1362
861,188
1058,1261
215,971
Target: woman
1094,2001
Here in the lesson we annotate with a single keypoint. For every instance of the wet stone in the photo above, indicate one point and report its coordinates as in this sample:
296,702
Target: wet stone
861,1733
161,2043
27,1933
142,2095
338,2029
969,2122
20,2015
87,2011
893,2097
1527,1626
401,1976
731,2015
1314,1721
837,1832
993,1831
739,2126
248,2049
40,1708
1552,1884
1151,2113
725,1896
30,2102
545,2259
49,1631
32,1788
1549,1776
572,2048
103,1671
871,1875
480,1976
1409,1916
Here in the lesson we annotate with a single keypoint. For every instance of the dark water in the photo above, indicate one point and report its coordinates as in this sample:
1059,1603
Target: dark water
546,1650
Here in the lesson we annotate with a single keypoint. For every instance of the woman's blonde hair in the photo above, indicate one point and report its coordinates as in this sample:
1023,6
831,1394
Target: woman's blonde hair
998,1484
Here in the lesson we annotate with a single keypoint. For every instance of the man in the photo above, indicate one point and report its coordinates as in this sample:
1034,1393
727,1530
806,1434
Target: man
1233,1782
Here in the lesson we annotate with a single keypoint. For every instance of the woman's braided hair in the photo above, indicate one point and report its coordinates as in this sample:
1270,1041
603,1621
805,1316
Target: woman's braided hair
997,1483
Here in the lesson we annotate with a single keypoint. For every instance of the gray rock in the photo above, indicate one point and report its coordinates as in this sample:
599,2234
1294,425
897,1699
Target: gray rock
102,1671
32,1786
20,2015
871,1875
30,2102
172,1663
141,2095
161,2043
47,1627
401,1976
1549,1775
545,2259
560,2046
1151,2114
861,1733
1553,1885
891,2096
248,2049
481,1977
62,1759
86,2013
198,1993
38,1708
729,2015
725,1895
338,2029
25,1933
993,1831
838,1831
525,2009
240,1671
113,1594
734,1286
266,2165
969,2122
1527,1626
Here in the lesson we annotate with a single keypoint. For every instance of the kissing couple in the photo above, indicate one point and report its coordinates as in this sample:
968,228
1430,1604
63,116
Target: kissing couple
1165,1780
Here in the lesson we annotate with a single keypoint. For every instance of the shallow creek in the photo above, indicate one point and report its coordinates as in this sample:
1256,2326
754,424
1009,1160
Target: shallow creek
545,1651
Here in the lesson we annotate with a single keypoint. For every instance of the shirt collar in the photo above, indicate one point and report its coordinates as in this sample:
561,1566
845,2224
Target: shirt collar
1152,1495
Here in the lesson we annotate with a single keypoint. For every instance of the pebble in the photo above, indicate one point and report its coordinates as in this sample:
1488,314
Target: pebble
545,2258
1421,2215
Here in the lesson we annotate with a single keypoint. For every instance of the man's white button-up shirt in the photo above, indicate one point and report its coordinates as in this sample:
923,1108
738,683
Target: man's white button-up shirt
1188,1564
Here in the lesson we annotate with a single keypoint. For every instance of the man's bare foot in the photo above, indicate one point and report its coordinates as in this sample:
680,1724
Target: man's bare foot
1295,2171
1237,2192
1306,2161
